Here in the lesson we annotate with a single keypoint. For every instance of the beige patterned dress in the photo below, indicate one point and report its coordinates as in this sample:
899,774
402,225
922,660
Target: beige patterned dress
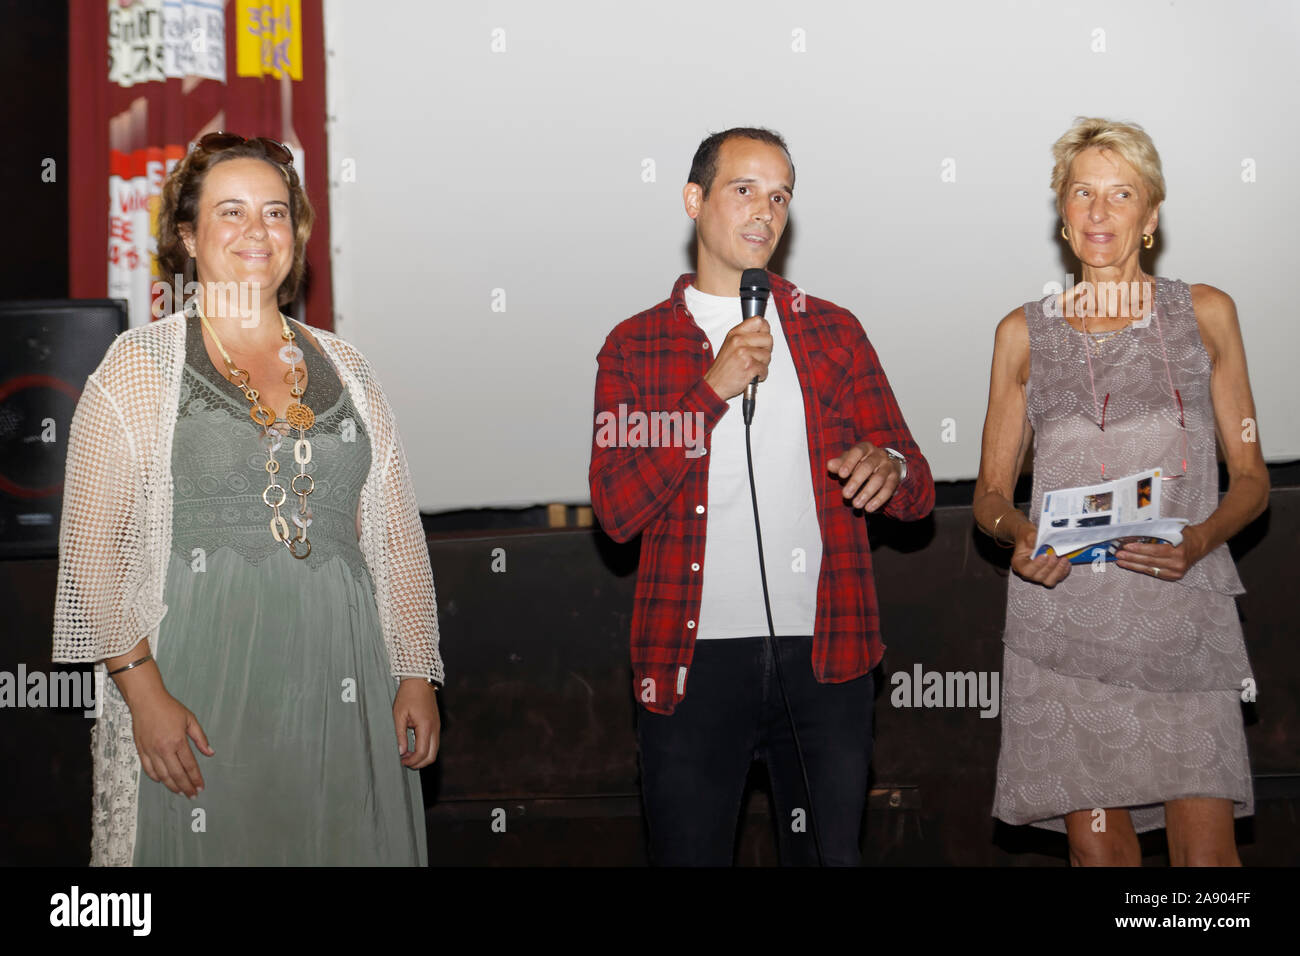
1120,689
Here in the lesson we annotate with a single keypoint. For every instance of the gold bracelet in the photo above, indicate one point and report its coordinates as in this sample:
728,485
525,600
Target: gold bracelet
994,533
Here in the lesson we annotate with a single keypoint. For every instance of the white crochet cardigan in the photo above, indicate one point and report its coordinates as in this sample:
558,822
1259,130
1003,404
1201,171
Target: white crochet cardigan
116,539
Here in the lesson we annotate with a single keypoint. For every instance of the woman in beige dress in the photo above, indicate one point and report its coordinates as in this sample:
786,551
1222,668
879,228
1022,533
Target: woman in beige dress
1122,682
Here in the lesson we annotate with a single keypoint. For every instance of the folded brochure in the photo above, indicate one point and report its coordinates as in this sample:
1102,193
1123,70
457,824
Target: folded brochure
1093,522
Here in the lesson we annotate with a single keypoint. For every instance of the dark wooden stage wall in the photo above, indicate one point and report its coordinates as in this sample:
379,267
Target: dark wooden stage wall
539,719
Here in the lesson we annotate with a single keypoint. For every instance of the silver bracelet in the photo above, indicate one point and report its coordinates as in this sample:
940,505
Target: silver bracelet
147,657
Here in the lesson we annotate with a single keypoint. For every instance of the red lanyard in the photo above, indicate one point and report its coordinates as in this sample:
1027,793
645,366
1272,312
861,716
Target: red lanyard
1099,407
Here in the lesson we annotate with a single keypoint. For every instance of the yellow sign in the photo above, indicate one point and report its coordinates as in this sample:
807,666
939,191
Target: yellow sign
268,38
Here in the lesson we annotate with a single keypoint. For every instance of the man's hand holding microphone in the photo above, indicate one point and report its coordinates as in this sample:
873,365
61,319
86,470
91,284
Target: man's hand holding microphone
746,352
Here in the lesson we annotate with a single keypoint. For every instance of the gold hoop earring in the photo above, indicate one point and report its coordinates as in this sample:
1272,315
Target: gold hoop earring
1064,235
1148,240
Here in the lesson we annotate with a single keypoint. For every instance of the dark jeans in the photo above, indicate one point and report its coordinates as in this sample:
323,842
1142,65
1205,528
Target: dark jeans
694,761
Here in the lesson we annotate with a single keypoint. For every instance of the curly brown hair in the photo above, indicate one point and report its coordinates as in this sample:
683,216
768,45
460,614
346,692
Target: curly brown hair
180,206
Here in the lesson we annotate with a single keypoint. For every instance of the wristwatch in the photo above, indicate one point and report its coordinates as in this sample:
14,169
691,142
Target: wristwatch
902,462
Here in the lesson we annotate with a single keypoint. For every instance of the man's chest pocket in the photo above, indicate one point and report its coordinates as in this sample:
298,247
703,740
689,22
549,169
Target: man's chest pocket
832,381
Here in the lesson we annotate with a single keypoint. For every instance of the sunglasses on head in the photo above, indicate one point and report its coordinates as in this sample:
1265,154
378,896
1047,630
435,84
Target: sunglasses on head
275,150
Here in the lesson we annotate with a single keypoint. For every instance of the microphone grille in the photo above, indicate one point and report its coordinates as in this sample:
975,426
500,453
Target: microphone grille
755,280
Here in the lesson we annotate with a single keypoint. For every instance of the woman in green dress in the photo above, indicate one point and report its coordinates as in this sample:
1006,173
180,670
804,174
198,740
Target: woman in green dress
297,646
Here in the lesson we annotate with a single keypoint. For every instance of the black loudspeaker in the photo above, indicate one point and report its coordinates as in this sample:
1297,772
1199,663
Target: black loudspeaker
47,350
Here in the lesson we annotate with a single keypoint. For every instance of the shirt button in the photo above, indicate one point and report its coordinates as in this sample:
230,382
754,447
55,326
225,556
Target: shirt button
703,452
690,625
695,567
706,346
699,509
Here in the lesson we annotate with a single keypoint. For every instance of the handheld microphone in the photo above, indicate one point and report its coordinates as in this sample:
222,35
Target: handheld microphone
755,287
754,290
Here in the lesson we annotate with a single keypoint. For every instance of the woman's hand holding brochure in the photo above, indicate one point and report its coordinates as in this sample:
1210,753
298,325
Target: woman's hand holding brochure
1164,561
1115,521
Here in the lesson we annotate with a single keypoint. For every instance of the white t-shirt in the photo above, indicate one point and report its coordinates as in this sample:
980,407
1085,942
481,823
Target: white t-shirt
732,601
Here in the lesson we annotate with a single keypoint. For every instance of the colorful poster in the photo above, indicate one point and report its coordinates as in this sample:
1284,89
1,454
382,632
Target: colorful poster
122,254
268,38
166,293
135,42
195,39
135,190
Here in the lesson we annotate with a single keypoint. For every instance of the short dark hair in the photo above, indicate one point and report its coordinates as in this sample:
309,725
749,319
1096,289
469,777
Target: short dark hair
704,167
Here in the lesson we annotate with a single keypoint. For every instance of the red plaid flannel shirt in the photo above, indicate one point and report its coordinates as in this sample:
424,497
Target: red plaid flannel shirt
655,362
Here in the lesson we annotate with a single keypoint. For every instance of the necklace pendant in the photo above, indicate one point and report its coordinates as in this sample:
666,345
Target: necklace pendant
300,416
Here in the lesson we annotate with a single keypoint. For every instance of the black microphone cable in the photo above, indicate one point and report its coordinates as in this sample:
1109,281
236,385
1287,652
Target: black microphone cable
748,409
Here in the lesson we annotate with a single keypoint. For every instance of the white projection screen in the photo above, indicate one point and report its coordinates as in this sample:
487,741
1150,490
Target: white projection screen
506,187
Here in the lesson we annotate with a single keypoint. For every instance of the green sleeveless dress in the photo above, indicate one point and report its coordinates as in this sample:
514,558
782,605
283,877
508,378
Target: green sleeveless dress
282,660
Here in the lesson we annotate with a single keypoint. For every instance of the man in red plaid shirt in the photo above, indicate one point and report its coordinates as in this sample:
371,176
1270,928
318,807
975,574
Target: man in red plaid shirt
669,463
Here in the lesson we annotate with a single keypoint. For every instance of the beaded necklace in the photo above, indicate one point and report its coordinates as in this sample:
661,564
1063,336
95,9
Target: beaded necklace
298,416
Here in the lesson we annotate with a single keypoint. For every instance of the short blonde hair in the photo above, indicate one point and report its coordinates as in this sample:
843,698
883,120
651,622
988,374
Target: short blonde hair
1129,140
